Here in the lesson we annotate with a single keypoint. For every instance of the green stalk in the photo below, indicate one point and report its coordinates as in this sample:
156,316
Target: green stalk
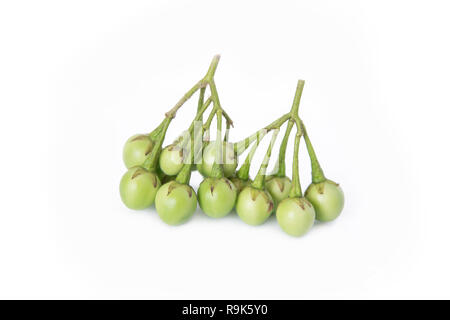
216,109
282,156
209,79
210,118
199,85
159,133
241,146
316,170
172,112
215,97
298,95
155,133
151,162
201,108
227,117
227,132
214,94
200,113
184,175
294,114
201,99
212,68
180,141
296,190
217,169
244,144
244,170
259,181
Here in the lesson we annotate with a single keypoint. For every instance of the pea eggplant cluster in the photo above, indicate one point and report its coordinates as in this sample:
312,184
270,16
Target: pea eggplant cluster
159,174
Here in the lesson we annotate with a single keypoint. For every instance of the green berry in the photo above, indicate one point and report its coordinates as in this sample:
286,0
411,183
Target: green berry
327,198
175,203
171,160
209,155
138,188
295,216
217,196
254,206
278,187
136,150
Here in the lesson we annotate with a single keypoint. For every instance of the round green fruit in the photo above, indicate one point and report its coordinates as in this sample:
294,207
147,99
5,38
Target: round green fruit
136,150
278,187
175,203
327,198
295,216
138,188
171,160
254,206
209,155
217,196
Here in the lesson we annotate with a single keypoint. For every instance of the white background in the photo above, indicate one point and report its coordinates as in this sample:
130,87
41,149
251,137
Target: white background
77,78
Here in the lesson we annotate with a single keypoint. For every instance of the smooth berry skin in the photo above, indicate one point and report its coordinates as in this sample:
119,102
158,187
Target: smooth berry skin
217,197
209,155
327,198
175,203
279,188
136,150
171,160
138,188
295,216
254,206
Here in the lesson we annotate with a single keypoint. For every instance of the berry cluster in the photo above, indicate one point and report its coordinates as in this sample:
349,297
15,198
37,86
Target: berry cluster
161,175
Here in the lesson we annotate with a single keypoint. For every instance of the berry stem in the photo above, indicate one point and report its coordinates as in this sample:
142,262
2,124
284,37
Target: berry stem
293,114
215,97
212,68
296,191
244,170
209,120
151,162
297,97
182,141
199,85
260,178
282,156
184,175
201,99
217,169
197,132
209,79
227,132
200,113
241,146
172,112
316,170
155,133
